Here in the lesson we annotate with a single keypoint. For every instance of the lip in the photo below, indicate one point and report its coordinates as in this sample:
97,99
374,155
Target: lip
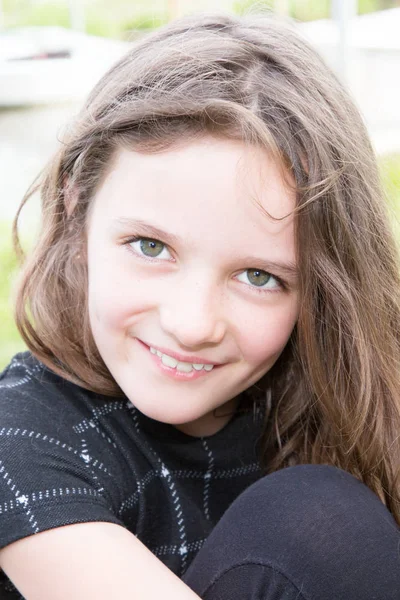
181,357
174,374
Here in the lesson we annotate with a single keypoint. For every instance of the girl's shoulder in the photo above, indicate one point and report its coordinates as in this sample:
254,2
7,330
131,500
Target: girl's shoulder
26,373
57,467
31,395
22,366
42,412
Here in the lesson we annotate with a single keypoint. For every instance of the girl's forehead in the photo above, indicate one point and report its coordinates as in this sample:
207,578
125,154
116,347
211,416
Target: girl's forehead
208,201
214,174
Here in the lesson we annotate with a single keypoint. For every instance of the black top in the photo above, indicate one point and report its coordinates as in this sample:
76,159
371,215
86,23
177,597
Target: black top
68,455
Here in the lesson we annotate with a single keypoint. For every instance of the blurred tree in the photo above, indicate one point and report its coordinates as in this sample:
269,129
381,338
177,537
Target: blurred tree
309,10
114,18
367,6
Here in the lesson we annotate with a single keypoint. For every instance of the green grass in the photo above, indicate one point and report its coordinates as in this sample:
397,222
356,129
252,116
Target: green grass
121,18
117,19
10,339
390,173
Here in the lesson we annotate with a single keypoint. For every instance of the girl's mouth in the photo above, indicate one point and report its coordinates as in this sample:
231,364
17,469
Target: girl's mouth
175,369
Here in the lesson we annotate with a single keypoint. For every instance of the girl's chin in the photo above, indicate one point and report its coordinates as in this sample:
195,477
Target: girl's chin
204,428
191,423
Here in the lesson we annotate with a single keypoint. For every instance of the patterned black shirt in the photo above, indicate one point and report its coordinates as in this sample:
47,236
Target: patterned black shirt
68,455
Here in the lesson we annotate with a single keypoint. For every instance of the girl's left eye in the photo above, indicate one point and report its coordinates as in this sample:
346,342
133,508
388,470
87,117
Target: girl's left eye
260,280
148,247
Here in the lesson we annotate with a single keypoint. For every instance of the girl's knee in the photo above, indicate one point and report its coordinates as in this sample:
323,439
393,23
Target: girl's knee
305,506
316,525
309,490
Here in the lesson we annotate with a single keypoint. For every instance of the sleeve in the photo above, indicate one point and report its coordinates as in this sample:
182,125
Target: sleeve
46,479
43,486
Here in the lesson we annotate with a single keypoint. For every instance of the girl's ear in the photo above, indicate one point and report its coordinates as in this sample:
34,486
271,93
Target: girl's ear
70,196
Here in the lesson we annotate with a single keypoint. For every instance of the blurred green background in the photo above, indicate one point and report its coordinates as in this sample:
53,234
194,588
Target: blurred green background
121,19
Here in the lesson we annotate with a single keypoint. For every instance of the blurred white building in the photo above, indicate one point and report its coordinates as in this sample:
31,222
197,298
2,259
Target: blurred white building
372,70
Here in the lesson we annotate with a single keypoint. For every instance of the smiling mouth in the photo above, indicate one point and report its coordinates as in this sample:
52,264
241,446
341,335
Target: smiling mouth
176,368
182,366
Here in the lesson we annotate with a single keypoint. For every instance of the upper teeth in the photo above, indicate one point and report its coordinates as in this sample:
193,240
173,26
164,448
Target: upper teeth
186,367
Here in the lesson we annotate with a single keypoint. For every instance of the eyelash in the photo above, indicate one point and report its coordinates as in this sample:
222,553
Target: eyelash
281,284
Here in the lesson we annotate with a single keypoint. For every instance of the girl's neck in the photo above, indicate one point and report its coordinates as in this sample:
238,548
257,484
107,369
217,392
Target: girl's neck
212,422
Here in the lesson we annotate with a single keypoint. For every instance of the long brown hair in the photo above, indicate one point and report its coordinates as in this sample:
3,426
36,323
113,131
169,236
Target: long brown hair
334,395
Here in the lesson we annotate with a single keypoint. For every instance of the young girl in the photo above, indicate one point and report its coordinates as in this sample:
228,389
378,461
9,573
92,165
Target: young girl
215,287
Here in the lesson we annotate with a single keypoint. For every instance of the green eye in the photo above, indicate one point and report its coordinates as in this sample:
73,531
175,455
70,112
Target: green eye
257,277
151,248
148,248
260,280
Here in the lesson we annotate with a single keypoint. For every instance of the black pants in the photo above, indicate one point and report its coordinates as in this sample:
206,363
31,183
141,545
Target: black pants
306,533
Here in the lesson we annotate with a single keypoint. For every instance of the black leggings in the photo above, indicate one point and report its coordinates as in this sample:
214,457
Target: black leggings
306,533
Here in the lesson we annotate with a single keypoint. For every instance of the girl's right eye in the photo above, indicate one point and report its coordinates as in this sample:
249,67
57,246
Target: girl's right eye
148,248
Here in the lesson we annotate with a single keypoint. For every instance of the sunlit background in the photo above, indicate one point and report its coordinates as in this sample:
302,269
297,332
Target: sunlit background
51,53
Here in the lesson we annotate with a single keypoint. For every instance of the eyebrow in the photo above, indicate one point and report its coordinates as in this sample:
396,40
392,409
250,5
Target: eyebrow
287,269
149,230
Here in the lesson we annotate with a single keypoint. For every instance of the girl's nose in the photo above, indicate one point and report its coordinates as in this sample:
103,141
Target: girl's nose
193,314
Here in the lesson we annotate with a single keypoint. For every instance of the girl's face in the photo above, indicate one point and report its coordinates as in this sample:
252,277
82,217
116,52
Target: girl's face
185,269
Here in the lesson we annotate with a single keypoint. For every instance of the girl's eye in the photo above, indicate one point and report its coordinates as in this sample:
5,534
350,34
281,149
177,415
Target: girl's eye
148,247
260,279
257,279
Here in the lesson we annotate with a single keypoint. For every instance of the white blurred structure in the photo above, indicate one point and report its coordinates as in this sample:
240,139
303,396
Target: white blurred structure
40,65
343,12
372,71
77,15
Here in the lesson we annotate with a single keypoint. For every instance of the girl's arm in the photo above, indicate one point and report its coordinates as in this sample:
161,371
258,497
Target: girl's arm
89,561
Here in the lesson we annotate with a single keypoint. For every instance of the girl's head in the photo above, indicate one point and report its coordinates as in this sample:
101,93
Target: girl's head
181,260
231,134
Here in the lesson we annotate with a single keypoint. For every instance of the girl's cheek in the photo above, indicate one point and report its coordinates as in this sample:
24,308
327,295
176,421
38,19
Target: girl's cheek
116,301
266,334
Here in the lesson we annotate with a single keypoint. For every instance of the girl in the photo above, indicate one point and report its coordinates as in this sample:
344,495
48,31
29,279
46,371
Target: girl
214,255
